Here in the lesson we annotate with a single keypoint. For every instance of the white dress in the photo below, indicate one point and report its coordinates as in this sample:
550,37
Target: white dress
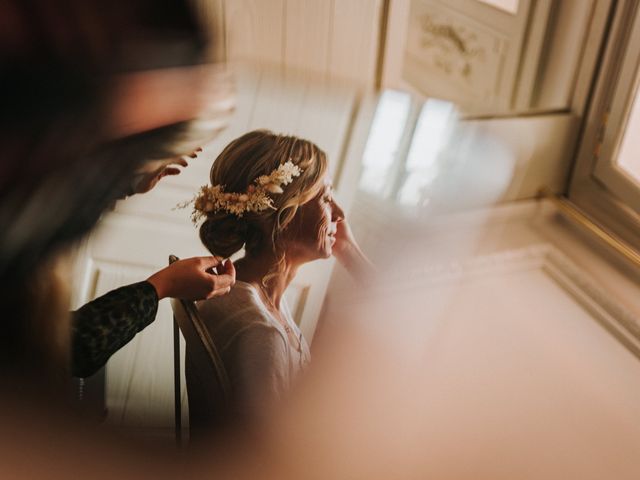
261,360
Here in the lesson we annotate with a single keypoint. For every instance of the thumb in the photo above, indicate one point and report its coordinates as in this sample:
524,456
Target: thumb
210,262
229,269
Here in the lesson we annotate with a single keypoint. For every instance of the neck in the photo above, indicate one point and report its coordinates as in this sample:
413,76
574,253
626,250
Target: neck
253,267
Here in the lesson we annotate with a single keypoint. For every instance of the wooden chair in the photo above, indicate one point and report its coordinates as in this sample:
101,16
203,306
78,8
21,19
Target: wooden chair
202,350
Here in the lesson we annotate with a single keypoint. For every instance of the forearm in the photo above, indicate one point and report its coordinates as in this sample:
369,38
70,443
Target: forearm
103,326
353,259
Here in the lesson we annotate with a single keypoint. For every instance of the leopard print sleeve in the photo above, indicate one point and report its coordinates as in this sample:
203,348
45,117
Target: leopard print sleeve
101,327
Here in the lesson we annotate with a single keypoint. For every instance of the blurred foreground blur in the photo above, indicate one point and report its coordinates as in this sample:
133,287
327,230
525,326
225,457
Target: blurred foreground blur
497,342
409,381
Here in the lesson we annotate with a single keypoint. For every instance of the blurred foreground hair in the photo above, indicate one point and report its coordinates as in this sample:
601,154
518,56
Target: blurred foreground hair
63,67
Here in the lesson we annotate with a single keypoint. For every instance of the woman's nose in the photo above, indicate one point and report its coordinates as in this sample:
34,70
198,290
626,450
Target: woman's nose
337,214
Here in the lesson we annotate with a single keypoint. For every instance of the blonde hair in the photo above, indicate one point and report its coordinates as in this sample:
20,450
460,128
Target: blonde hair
242,161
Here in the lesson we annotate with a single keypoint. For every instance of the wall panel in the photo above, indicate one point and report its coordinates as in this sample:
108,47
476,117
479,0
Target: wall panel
255,29
355,40
308,32
337,38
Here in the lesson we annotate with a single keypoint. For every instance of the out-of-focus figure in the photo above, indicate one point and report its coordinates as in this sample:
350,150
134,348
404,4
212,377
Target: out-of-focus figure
93,92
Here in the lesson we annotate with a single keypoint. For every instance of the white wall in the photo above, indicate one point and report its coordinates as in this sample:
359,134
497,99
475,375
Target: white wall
330,38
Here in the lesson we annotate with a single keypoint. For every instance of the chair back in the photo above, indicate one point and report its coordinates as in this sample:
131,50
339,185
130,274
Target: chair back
202,351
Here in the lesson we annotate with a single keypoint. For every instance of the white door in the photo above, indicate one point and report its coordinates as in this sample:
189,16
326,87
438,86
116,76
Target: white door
617,157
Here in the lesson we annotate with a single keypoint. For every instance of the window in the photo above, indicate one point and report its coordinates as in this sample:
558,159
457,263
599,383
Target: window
384,141
431,135
406,139
629,156
606,179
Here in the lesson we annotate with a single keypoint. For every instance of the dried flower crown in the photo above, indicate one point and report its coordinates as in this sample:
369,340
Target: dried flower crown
254,199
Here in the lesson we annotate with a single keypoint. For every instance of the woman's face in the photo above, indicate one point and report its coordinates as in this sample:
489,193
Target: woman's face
314,227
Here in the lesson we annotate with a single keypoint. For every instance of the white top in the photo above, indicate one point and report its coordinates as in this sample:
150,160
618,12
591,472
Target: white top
261,359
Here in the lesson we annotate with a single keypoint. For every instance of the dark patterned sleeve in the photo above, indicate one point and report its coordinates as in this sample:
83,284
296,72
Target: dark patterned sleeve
103,326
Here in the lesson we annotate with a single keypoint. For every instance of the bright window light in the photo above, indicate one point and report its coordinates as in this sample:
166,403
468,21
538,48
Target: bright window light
629,156
430,138
384,140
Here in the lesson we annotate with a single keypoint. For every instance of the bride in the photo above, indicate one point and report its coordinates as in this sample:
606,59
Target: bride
272,195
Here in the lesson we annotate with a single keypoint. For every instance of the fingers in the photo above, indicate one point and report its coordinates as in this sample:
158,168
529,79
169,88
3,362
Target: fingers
195,153
222,285
229,269
224,281
225,278
202,277
180,161
209,262
171,171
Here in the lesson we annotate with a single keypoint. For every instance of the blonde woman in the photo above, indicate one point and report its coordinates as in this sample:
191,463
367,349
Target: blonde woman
271,195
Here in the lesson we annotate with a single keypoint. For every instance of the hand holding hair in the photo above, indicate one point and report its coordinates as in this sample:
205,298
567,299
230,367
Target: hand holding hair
196,278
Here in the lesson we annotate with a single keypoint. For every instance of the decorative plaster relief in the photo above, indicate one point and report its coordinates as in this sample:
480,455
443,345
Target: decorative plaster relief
452,56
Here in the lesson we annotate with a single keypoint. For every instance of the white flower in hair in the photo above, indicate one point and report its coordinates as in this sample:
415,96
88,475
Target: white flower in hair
255,199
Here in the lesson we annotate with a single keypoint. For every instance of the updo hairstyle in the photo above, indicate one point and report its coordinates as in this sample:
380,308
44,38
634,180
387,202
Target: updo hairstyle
242,161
